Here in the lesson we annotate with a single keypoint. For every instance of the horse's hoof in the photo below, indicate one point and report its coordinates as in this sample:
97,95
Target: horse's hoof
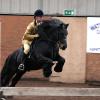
3,98
6,98
47,74
56,69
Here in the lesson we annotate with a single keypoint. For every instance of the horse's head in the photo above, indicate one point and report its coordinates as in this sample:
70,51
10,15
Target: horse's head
62,32
56,31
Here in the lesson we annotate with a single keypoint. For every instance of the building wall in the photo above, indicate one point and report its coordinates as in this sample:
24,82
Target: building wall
79,66
75,66
93,67
12,30
82,7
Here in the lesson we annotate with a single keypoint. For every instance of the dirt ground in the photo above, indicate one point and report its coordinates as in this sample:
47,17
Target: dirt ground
55,98
44,82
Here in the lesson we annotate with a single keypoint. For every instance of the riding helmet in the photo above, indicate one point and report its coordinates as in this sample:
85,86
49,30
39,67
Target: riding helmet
38,12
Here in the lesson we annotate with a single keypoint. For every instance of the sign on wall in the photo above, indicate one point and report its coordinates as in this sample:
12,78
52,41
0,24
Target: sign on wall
93,34
69,12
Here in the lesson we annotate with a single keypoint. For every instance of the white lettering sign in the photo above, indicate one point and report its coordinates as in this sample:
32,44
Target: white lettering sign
93,34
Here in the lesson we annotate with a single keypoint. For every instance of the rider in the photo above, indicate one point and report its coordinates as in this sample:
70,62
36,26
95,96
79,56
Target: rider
30,34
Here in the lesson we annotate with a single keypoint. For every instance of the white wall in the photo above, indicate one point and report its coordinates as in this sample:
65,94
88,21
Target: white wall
82,7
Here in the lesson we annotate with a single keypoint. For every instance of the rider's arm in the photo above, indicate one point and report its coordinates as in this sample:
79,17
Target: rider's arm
29,35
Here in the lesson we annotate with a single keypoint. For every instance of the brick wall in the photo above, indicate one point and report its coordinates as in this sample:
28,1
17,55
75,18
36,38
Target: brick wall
12,30
93,67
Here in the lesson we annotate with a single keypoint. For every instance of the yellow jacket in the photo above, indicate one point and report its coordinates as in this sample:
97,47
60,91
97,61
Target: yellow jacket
30,33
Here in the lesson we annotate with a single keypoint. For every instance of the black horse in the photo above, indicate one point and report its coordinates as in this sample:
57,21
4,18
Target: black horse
43,53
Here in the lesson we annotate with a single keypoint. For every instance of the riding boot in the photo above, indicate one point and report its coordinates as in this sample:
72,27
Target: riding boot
21,66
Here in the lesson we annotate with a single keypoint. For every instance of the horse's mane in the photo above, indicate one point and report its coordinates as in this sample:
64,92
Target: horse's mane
53,22
56,21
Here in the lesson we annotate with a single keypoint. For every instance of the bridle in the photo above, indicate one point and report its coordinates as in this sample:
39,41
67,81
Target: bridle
52,41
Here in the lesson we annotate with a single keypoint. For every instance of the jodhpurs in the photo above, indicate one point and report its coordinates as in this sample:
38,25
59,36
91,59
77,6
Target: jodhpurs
26,48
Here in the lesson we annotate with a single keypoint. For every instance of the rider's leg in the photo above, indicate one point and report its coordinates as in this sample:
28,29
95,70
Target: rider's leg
25,54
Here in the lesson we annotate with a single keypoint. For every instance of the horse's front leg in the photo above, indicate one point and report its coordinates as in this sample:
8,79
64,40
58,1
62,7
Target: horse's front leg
47,64
47,69
60,64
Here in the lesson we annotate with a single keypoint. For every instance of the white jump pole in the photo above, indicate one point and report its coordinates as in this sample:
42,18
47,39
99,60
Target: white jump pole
49,91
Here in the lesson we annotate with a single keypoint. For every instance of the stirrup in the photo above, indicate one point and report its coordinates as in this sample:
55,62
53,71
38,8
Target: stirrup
21,67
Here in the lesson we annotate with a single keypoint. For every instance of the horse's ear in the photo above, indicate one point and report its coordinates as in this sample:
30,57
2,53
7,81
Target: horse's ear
66,26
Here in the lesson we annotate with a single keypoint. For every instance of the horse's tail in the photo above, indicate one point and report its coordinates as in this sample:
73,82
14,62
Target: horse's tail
5,66
7,70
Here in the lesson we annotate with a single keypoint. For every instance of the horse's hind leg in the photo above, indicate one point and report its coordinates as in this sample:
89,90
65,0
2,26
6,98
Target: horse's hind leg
16,78
5,78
